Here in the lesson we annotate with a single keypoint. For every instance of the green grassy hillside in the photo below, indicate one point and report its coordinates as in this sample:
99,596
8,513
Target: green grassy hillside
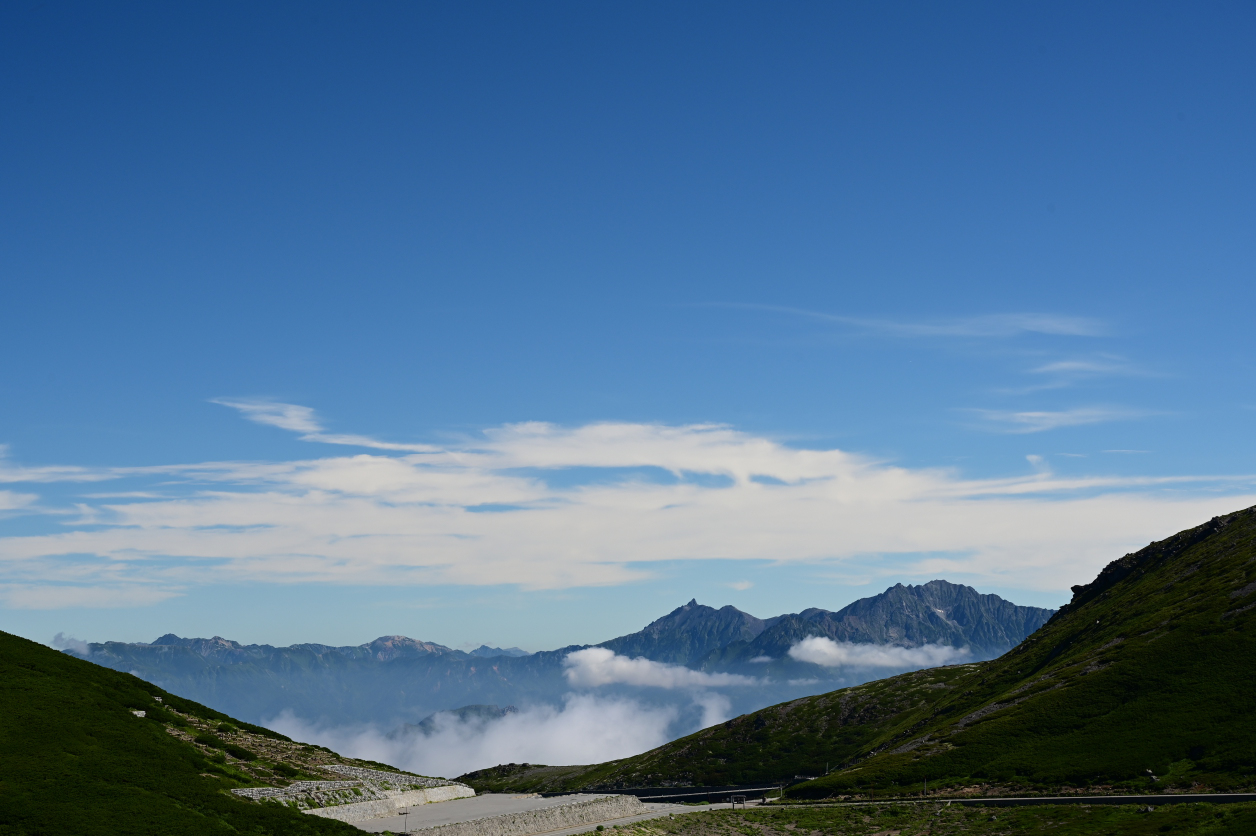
1143,682
942,820
74,758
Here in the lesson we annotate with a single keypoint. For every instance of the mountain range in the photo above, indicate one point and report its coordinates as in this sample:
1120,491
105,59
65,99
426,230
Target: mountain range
397,680
1142,683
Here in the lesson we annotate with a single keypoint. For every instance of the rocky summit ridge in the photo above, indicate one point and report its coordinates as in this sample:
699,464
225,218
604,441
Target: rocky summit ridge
1142,683
396,680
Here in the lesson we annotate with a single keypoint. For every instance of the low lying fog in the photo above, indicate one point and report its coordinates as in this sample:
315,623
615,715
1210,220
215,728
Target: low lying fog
586,728
591,726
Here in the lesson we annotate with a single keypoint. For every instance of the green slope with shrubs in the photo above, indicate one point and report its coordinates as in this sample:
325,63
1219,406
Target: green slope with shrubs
940,819
74,758
1144,682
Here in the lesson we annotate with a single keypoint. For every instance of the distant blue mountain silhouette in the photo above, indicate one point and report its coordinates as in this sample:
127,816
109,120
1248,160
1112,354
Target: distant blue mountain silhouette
395,680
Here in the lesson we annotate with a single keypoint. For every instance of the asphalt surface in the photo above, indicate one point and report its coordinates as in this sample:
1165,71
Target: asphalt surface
496,804
1030,801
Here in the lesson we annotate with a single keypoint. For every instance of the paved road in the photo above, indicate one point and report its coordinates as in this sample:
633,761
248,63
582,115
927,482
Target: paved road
495,804
1029,801
430,815
656,810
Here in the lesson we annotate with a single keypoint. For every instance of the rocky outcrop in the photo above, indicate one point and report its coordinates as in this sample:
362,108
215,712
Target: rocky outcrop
370,794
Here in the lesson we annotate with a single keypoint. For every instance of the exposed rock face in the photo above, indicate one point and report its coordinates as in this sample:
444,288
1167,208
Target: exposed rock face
937,612
686,635
394,679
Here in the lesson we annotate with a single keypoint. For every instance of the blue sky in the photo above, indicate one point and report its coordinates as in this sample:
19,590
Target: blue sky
525,323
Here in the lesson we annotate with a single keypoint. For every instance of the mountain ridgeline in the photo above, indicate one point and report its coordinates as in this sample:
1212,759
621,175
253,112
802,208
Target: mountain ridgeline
1143,682
396,680
689,634
937,613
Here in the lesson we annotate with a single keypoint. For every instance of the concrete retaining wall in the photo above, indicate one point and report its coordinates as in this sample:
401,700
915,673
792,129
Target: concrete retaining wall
363,810
529,822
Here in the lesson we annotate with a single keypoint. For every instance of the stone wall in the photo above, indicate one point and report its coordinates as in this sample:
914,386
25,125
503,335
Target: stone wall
294,789
449,792
363,810
589,811
378,776
371,794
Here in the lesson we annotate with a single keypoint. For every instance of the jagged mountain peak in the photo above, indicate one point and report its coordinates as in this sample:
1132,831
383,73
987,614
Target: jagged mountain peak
1142,683
486,652
177,641
688,634
904,615
214,648
390,647
397,678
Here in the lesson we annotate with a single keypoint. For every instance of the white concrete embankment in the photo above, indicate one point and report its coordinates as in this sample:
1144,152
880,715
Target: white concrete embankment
557,817
363,810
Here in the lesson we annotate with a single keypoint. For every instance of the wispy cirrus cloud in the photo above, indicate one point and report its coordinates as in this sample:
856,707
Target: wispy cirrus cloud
285,416
12,473
1030,421
303,420
1060,374
1090,367
988,325
46,596
401,518
12,500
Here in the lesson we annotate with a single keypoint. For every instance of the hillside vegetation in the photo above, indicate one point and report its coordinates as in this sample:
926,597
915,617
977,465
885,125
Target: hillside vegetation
954,820
75,757
1143,682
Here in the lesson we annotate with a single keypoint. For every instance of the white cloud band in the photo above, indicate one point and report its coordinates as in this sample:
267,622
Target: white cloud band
496,510
596,666
820,650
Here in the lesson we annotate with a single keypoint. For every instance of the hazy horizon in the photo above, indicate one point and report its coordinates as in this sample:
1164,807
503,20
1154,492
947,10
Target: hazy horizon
522,325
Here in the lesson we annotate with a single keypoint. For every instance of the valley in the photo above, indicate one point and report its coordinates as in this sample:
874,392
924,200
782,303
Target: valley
395,680
1141,685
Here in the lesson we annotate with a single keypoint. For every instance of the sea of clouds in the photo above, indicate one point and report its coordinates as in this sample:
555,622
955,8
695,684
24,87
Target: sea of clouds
585,728
590,725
